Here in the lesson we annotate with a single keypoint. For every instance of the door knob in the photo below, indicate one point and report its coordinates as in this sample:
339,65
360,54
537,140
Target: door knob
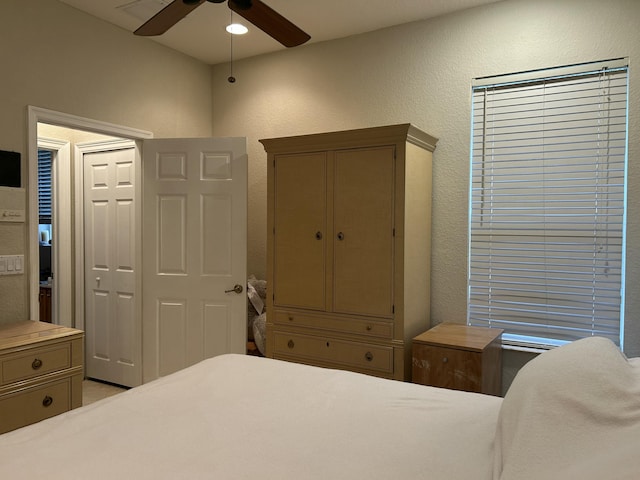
237,289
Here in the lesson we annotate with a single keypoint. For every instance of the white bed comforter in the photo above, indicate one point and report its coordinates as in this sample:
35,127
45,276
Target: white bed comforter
239,417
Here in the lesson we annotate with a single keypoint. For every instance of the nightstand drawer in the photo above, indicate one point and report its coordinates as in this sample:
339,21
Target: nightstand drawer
459,357
360,356
449,368
35,404
35,362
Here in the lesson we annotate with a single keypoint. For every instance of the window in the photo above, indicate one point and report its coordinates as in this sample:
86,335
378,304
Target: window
547,204
45,158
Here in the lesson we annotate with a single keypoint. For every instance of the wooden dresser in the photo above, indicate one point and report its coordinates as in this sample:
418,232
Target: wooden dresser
348,257
41,372
459,357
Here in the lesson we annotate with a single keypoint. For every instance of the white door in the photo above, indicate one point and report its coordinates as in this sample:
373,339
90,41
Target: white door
194,251
112,307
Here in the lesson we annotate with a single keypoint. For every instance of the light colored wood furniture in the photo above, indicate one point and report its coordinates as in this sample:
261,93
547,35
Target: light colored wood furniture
459,357
41,372
349,246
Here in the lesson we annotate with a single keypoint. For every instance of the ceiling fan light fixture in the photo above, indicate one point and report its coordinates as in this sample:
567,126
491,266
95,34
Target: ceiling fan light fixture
236,29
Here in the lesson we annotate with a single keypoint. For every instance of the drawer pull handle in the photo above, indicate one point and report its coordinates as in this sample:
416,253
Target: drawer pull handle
318,235
340,236
368,356
445,359
47,401
36,364
369,328
291,344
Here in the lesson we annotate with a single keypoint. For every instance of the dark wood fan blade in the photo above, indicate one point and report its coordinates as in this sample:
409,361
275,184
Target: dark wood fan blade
166,18
270,22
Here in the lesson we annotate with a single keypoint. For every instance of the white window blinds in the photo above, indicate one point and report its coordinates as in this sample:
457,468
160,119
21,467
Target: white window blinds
547,204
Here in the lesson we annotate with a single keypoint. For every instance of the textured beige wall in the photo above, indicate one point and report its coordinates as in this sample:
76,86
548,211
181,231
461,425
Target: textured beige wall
421,73
56,57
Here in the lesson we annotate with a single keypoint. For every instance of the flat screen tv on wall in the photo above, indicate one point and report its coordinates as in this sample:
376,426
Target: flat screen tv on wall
10,169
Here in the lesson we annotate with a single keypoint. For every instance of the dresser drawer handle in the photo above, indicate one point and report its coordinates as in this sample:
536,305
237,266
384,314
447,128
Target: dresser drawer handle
369,328
291,344
368,356
445,359
36,364
47,401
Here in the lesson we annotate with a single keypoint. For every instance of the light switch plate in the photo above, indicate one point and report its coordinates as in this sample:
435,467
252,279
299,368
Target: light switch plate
11,264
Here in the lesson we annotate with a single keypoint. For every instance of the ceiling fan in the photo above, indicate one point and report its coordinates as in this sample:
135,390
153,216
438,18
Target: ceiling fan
256,12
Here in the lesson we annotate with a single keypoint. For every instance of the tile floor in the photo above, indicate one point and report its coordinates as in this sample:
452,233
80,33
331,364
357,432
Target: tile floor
92,391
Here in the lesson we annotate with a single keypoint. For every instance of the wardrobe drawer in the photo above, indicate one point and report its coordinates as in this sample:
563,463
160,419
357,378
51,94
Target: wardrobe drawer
359,326
35,361
361,356
34,404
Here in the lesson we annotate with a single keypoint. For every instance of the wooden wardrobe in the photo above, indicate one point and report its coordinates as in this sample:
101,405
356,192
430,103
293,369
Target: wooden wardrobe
348,239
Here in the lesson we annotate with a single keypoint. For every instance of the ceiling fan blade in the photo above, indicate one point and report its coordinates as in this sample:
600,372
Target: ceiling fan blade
167,18
270,22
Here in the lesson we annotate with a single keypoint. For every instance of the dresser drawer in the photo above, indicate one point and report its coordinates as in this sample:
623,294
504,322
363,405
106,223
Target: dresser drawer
35,362
34,404
360,356
359,326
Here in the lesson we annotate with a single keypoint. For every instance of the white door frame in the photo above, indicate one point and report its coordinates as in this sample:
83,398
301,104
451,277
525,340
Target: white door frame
61,225
37,115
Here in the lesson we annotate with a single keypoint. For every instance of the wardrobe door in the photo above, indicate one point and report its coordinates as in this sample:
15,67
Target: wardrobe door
363,231
300,212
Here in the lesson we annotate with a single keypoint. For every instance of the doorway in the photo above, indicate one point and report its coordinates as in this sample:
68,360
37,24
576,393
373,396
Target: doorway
68,138
195,237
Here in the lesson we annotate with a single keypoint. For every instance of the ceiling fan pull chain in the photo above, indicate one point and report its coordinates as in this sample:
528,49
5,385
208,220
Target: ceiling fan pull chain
231,78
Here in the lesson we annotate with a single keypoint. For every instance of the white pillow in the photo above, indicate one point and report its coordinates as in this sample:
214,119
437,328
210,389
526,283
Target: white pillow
572,413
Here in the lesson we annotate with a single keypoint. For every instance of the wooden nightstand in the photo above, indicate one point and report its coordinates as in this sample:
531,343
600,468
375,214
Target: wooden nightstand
41,372
459,357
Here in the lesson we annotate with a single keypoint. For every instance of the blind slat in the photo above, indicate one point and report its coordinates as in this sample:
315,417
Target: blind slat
45,158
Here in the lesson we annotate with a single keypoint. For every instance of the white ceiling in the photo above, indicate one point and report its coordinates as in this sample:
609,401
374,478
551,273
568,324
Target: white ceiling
202,33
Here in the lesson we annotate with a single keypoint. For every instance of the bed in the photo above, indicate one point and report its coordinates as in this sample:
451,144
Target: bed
244,417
